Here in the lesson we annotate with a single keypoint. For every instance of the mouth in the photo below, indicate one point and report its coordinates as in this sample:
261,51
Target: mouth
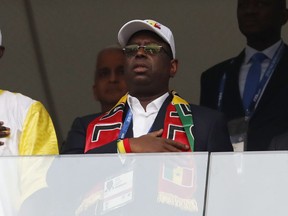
112,90
140,68
249,22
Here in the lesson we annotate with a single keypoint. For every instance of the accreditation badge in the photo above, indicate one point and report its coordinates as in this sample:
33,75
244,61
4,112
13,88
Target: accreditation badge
118,191
238,133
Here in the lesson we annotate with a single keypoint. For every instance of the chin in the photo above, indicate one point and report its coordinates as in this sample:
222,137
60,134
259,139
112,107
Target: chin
251,30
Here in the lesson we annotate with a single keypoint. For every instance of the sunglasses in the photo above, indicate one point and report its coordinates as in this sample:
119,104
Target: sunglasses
150,49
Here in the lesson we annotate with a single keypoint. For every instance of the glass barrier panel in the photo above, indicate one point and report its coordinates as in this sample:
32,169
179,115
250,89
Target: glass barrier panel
249,183
132,184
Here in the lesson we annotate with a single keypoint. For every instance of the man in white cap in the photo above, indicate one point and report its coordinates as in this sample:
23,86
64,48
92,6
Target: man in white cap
150,118
28,127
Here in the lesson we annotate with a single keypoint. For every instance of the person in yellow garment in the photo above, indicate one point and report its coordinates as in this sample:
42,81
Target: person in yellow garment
25,126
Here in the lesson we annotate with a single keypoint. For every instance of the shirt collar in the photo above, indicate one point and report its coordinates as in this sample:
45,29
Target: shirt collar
269,52
153,106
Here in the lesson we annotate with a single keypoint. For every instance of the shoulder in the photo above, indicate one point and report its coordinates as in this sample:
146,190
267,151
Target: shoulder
223,66
210,130
201,111
84,121
220,65
204,117
15,99
217,70
75,141
89,118
16,106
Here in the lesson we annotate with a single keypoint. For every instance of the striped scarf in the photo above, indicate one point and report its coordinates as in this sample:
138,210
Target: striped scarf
178,124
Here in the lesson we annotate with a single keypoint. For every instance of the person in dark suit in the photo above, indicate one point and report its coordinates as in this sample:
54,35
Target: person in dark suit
109,86
280,142
150,118
253,121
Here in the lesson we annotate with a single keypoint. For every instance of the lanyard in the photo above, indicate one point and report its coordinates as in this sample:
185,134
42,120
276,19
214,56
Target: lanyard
261,86
221,91
263,82
126,124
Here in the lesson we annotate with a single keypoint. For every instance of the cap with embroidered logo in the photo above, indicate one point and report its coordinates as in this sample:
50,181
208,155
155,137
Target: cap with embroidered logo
133,26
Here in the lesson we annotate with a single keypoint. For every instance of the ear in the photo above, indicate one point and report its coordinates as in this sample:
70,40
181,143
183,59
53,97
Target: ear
2,49
174,67
285,16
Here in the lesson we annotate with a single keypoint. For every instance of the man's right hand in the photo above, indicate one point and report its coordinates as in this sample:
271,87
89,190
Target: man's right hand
153,142
4,131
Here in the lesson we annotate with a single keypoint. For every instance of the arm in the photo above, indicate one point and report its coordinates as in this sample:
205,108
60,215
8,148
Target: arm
152,142
219,138
209,89
75,142
210,130
38,136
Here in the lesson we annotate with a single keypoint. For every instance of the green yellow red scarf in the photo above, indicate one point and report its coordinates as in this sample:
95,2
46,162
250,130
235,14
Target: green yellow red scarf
178,124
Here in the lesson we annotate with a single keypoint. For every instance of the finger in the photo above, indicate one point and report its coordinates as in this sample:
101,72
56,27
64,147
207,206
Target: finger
156,133
4,133
171,148
177,145
3,128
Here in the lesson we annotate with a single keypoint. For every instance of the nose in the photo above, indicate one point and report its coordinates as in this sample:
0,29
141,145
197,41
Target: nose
140,51
113,77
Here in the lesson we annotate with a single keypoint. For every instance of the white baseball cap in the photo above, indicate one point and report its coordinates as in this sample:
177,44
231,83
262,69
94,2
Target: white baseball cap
133,26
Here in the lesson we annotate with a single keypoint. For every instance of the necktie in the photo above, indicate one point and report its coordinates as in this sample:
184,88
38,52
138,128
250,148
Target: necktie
252,79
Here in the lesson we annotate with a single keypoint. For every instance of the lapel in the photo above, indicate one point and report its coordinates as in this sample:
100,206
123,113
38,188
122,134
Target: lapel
232,102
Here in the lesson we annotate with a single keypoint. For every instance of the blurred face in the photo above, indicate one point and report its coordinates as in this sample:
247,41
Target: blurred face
261,18
148,73
110,84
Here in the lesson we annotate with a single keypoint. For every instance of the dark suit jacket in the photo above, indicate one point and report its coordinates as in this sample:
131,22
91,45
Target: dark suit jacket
280,142
75,142
210,132
271,116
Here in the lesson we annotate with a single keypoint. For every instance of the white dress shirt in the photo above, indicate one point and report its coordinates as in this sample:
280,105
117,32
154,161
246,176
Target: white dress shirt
144,119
